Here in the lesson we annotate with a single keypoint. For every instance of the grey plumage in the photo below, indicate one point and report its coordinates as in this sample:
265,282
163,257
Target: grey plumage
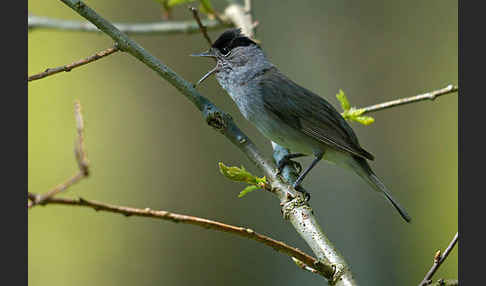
305,111
287,113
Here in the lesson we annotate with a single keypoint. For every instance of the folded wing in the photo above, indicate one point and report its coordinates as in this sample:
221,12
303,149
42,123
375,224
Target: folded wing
309,113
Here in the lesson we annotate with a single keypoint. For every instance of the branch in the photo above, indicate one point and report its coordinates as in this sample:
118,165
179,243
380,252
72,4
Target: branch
155,28
297,210
426,96
81,158
69,67
449,282
320,244
79,151
302,218
242,17
294,207
203,29
438,259
309,261
213,115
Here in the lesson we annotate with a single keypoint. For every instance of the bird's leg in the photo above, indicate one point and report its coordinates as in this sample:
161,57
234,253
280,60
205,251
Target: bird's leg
286,160
304,192
299,180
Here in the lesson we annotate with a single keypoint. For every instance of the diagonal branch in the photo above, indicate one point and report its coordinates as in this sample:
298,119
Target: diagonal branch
402,101
69,67
295,207
438,260
212,114
302,218
214,117
310,263
155,28
81,158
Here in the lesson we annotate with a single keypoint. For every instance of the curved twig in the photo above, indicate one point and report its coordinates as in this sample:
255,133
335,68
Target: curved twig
438,259
294,206
213,115
81,159
309,261
69,67
426,96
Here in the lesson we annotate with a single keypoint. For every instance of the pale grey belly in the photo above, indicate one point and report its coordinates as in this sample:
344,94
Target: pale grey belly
285,135
296,141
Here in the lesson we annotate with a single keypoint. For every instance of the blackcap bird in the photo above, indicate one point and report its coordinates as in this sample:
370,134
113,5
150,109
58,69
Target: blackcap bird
287,113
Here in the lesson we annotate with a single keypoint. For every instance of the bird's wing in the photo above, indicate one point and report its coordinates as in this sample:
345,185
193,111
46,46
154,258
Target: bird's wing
309,113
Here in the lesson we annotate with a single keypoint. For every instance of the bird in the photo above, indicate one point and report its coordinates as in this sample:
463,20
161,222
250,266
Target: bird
287,113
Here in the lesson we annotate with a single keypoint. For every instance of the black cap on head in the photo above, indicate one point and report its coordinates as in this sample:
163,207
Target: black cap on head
231,39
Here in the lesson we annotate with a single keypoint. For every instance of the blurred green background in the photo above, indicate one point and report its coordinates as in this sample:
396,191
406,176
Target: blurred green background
149,147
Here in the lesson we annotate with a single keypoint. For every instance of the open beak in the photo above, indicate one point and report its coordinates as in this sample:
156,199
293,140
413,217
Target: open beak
215,69
210,53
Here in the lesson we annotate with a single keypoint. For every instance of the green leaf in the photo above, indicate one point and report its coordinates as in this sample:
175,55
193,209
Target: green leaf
242,175
239,174
344,101
351,113
366,120
247,190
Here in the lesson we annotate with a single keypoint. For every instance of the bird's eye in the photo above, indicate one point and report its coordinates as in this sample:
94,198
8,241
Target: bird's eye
225,51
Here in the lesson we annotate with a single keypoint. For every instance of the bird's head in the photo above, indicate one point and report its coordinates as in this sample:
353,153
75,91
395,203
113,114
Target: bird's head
233,51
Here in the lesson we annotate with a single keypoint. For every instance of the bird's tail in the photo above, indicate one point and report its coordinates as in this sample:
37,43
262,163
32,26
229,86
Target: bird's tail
361,167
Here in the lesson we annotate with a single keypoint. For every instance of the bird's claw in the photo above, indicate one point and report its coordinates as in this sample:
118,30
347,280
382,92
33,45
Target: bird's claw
303,191
285,161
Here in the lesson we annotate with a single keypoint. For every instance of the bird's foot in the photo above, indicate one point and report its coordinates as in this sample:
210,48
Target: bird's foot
286,160
300,189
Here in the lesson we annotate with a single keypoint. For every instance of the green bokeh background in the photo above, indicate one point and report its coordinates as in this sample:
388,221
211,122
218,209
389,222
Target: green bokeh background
149,147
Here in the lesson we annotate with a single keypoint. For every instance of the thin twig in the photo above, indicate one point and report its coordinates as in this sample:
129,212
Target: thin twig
69,67
201,26
279,246
223,123
304,266
445,282
40,199
79,150
155,28
426,96
438,259
81,158
212,114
